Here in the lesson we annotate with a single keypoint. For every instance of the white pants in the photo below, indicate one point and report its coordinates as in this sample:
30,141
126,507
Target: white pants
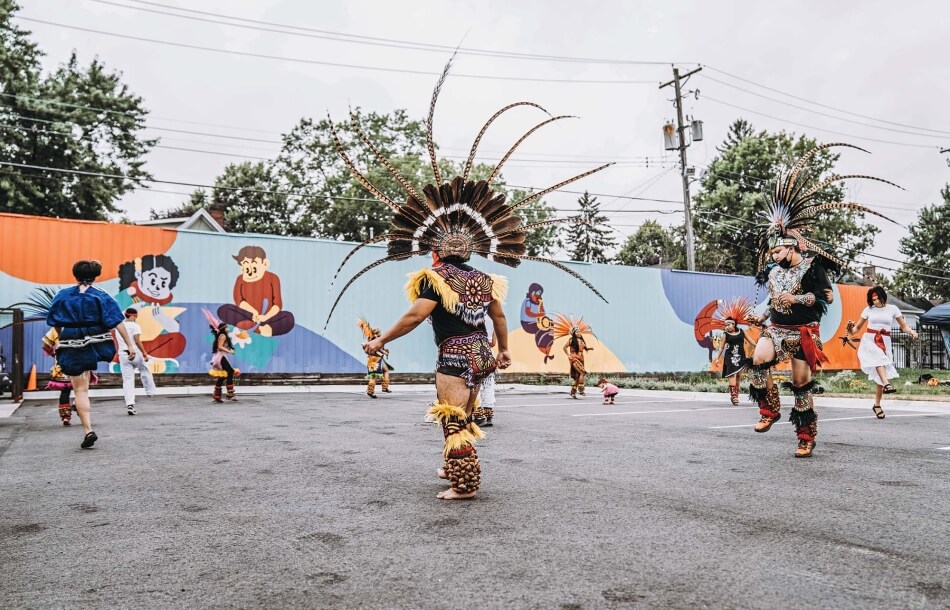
128,377
488,392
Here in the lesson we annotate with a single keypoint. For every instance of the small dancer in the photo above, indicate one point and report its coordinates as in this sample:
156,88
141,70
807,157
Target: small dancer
377,368
221,368
610,390
575,349
57,379
730,315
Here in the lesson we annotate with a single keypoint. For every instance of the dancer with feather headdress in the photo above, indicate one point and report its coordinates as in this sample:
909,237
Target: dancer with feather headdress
377,368
452,220
795,270
575,348
729,315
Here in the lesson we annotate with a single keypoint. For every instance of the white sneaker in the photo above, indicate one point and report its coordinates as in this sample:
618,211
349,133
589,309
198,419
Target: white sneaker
131,410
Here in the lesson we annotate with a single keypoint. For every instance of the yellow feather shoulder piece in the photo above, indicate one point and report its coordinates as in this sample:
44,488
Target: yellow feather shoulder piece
414,287
499,288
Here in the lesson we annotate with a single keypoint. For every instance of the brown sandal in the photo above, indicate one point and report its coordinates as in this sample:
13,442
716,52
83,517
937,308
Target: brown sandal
878,411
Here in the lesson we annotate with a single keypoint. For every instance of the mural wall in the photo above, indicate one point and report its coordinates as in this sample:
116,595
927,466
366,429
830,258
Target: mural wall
275,294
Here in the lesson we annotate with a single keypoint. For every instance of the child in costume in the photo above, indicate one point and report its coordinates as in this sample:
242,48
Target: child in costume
610,390
376,365
221,368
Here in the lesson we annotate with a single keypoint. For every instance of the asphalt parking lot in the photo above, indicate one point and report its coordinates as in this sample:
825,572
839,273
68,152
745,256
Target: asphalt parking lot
328,499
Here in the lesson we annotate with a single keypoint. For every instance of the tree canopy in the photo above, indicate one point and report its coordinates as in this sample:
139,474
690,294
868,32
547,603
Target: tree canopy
64,134
927,270
736,188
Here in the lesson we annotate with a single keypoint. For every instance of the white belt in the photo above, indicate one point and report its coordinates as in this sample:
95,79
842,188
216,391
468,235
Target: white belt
77,343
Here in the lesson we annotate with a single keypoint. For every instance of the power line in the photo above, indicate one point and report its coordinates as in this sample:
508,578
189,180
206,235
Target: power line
377,41
801,99
850,135
824,114
336,64
267,192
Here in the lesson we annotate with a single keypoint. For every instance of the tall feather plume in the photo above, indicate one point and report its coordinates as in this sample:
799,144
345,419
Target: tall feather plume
430,143
798,167
363,180
410,190
371,240
471,155
535,196
357,276
845,205
511,150
807,195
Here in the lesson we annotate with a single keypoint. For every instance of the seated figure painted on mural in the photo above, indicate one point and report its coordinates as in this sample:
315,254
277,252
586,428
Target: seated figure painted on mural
534,320
258,305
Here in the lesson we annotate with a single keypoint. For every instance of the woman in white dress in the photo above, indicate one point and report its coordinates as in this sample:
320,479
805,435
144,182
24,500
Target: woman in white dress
874,351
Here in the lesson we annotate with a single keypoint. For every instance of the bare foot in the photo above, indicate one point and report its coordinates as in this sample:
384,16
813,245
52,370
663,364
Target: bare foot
442,475
451,494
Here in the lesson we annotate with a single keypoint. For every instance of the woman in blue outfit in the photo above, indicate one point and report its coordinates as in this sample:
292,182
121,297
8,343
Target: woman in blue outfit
84,315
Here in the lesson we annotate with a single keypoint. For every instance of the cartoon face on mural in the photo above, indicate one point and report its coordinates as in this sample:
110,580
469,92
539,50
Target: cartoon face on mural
146,284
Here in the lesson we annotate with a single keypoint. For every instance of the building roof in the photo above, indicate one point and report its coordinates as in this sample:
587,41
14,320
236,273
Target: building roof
201,220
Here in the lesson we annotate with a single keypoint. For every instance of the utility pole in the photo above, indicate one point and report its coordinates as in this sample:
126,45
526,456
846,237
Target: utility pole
681,130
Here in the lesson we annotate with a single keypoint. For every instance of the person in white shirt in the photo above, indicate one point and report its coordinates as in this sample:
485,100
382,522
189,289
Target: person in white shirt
874,351
140,361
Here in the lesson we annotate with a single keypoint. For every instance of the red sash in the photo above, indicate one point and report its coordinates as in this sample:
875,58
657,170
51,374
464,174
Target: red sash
879,337
813,355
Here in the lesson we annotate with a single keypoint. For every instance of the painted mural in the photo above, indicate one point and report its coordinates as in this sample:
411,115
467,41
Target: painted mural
273,292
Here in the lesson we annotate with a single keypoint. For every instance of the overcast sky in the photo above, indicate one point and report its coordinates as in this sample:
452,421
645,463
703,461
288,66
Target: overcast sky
884,60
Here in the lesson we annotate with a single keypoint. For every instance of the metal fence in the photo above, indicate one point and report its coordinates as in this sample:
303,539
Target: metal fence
928,352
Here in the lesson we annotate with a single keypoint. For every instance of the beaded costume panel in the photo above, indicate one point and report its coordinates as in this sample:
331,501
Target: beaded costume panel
787,280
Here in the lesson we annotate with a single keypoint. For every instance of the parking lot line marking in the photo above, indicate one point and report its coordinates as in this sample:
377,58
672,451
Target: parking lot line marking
824,419
659,411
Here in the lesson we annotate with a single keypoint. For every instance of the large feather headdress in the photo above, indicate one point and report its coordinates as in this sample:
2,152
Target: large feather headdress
738,309
793,208
458,217
565,326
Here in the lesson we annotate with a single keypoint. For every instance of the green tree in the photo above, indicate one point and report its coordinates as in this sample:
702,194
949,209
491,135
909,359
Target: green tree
927,254
329,202
736,188
77,118
651,245
589,240
247,194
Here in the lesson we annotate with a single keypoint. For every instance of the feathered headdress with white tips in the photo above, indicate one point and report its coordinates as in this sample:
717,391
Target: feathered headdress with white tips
793,208
458,217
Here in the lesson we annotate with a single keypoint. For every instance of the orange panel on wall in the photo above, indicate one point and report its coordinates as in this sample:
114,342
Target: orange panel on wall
68,241
853,302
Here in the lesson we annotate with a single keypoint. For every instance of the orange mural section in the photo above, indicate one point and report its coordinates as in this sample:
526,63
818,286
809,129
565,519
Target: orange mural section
853,301
68,241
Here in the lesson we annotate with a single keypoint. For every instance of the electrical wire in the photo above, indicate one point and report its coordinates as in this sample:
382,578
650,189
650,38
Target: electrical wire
377,41
301,60
824,114
802,99
839,133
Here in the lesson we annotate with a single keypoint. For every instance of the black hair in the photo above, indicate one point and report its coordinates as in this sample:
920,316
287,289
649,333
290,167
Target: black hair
149,261
220,329
881,294
454,260
86,272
